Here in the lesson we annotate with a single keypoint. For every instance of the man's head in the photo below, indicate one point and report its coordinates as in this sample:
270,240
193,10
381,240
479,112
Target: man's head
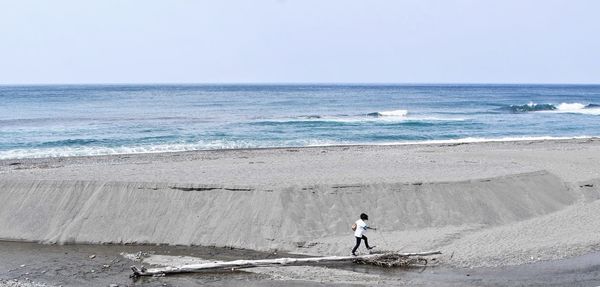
363,216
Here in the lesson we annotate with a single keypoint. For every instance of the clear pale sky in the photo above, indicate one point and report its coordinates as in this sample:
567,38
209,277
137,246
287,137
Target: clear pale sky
299,41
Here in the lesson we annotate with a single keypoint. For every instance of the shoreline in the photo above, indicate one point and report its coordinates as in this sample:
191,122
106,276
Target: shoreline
467,140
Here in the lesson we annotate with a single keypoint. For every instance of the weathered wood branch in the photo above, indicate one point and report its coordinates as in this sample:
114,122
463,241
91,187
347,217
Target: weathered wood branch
237,264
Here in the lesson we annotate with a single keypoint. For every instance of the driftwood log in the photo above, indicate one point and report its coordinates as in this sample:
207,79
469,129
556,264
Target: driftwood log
237,264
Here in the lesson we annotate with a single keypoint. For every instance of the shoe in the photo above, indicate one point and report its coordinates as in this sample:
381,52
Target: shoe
353,254
371,247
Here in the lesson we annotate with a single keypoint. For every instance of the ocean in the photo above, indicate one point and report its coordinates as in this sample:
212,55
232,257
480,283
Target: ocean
82,120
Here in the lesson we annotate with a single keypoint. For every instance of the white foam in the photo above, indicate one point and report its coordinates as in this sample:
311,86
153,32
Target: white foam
570,107
483,140
394,113
574,108
221,144
469,140
157,148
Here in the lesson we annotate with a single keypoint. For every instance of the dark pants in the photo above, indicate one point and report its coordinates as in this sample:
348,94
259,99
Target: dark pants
358,243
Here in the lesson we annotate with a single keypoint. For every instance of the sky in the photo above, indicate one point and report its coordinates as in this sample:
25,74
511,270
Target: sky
299,41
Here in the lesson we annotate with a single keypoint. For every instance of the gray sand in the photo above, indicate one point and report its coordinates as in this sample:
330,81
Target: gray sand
571,160
484,204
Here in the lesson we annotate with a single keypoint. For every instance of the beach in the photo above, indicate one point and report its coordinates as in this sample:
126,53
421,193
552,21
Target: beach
484,205
225,144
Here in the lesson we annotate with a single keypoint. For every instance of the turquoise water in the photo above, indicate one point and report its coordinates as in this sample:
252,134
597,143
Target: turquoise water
45,121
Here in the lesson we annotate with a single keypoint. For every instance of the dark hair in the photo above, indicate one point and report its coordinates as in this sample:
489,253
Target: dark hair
364,216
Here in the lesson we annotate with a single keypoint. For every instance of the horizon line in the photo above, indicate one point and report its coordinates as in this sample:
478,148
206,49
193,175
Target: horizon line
300,83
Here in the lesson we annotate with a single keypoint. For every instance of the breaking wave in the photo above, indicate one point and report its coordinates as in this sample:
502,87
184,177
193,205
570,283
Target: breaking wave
74,151
394,113
579,108
531,107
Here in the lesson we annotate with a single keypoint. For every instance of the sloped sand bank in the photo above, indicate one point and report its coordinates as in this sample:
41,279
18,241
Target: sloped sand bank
483,222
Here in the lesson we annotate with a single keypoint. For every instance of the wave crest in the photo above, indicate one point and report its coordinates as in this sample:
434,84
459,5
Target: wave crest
531,107
394,113
570,107
590,109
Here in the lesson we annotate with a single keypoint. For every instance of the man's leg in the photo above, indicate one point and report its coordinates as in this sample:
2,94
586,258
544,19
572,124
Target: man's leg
366,242
356,246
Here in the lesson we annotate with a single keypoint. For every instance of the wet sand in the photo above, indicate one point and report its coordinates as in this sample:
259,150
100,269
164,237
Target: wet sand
71,265
31,264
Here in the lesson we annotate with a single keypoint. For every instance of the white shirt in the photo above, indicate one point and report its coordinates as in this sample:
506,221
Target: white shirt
361,228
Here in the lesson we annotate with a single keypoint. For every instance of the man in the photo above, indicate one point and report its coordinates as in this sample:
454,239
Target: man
360,227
